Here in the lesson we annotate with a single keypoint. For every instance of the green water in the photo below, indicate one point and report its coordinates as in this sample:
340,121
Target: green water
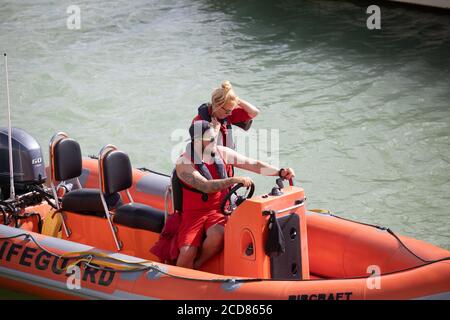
363,116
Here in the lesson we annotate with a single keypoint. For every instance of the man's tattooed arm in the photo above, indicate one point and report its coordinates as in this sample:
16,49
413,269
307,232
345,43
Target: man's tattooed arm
197,181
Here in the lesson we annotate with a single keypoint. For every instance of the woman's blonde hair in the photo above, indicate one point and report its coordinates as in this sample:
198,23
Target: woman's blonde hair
223,95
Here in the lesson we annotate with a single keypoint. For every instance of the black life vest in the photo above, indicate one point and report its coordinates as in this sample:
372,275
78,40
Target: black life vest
227,135
178,185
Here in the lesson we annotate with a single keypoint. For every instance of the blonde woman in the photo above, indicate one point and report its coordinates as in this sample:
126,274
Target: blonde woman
224,110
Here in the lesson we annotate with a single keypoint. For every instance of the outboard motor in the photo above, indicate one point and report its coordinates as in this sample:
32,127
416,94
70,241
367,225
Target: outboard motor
28,162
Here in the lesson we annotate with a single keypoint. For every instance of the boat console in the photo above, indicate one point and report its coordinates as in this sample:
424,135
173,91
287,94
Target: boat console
277,217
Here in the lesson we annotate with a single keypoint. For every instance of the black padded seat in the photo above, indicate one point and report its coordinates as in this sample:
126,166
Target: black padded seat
67,160
140,216
87,201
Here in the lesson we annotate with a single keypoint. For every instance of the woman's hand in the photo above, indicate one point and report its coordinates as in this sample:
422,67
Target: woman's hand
238,103
215,124
251,110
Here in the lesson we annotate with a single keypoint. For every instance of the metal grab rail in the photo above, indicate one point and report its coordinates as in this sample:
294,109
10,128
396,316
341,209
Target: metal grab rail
166,202
103,152
57,137
298,203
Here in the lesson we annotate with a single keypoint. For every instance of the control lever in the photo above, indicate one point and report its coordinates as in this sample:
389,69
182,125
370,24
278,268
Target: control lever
280,183
276,191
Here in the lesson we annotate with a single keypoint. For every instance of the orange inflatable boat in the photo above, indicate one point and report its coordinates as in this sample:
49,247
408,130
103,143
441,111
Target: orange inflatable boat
87,235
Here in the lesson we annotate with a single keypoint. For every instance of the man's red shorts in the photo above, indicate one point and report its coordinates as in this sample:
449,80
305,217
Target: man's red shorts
194,226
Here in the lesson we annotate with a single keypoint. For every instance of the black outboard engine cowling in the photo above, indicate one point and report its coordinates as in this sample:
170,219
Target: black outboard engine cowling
28,162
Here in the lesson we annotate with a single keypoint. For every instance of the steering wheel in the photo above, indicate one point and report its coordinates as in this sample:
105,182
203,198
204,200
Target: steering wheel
228,204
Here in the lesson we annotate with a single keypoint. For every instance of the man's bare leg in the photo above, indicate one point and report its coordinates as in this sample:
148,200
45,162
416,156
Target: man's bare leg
212,244
186,257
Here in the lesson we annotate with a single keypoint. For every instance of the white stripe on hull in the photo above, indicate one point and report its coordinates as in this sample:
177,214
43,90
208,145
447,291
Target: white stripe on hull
58,286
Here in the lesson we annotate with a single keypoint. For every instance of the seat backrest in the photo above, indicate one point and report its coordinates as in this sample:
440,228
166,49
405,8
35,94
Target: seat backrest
65,163
65,158
115,171
177,192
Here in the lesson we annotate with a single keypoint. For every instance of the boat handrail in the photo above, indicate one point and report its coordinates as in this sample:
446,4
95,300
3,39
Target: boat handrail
298,203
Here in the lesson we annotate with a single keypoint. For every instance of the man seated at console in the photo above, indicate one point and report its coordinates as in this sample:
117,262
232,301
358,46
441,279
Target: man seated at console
201,170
